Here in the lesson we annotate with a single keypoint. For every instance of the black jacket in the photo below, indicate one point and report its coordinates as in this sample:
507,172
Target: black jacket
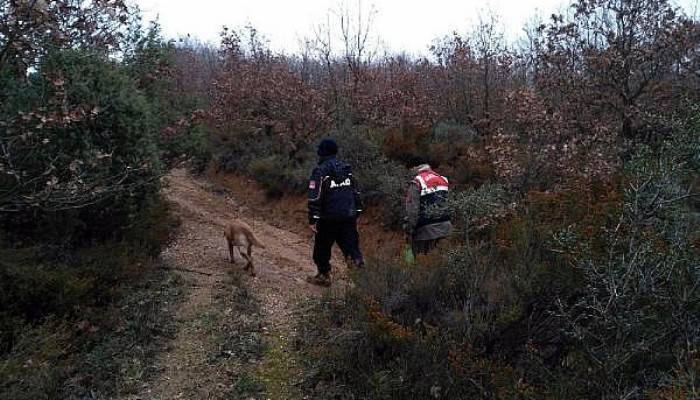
333,192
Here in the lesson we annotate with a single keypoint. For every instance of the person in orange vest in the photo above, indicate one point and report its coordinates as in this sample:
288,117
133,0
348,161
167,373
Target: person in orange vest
427,222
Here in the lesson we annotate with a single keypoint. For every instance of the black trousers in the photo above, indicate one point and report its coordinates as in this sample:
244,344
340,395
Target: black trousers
342,232
424,246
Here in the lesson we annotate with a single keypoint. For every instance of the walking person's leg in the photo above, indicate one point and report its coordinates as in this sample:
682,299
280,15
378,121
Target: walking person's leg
349,242
323,242
423,246
343,249
430,245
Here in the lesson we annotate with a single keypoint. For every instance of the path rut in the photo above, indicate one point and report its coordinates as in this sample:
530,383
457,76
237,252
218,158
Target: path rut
199,253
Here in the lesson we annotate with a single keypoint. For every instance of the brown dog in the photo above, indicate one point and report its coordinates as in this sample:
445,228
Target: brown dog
238,234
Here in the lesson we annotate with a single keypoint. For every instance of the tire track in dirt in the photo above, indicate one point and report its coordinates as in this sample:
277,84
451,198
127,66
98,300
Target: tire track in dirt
199,253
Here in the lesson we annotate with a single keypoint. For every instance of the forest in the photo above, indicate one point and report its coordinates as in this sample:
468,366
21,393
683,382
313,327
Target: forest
573,155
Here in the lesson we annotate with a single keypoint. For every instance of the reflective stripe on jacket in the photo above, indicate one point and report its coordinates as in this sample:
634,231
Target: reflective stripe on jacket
433,193
333,192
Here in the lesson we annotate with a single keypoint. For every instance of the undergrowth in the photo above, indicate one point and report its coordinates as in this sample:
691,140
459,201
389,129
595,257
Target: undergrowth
103,353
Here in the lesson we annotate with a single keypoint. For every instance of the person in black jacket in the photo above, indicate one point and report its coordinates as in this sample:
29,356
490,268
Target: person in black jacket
334,205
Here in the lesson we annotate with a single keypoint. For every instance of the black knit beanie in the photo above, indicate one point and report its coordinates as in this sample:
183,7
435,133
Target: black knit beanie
327,147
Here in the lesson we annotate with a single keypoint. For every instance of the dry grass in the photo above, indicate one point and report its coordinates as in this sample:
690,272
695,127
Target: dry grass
107,352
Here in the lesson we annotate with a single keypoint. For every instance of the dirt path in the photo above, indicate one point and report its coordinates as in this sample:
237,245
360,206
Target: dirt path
199,253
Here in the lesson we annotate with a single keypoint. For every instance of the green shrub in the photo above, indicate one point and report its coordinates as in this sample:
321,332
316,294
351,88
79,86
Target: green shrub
192,145
78,176
105,352
262,156
151,61
277,176
637,322
79,190
81,217
585,293
382,181
35,283
432,333
37,365
44,352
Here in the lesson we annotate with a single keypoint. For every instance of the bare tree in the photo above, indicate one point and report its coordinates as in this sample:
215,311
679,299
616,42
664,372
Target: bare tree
323,44
529,46
356,32
618,59
489,44
346,46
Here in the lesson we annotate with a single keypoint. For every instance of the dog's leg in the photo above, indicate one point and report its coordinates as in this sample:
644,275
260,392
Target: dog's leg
250,260
230,252
248,263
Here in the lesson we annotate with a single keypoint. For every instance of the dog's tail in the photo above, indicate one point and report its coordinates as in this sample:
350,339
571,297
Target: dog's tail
254,240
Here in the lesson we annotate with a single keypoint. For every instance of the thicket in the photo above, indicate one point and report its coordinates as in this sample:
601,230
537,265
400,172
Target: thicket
579,294
573,161
572,155
88,126
568,102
